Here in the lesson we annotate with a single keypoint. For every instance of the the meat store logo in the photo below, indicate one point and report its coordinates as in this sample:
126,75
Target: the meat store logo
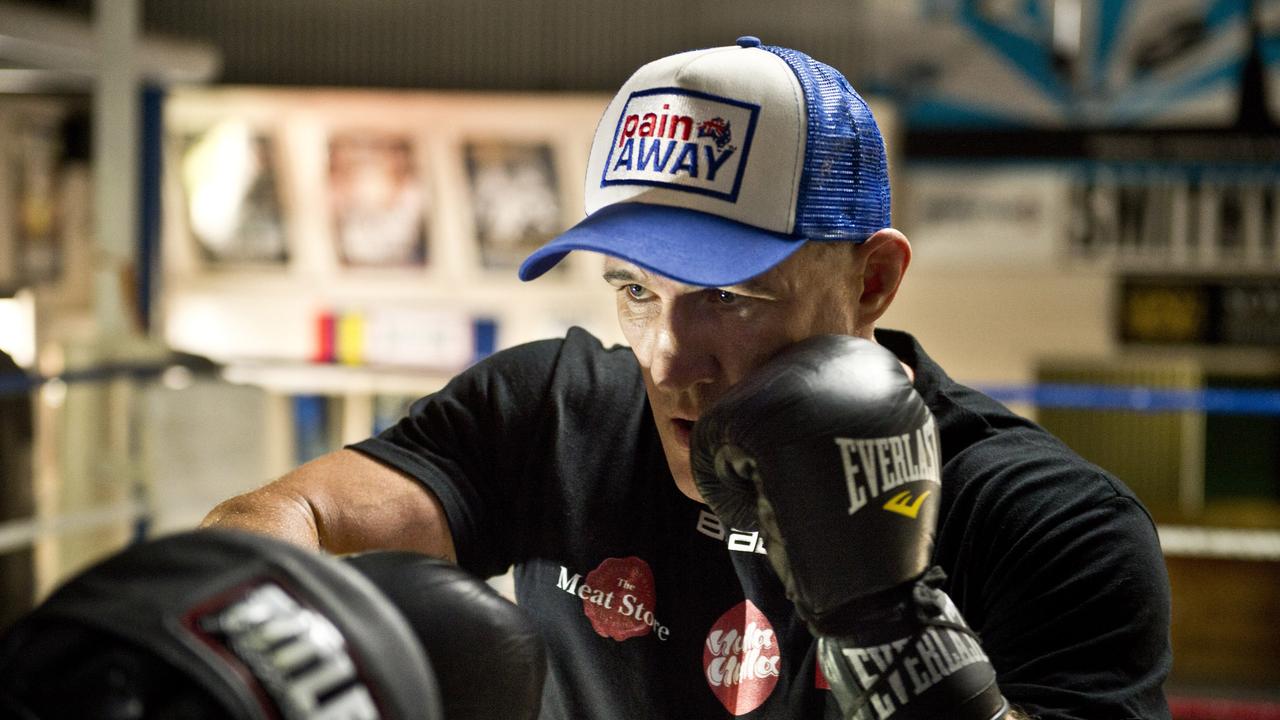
618,598
741,658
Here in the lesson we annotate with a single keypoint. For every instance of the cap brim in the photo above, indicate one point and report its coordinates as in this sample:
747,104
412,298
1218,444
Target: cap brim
685,245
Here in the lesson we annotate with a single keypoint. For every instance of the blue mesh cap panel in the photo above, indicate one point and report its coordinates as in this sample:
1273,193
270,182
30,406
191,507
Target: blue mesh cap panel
844,187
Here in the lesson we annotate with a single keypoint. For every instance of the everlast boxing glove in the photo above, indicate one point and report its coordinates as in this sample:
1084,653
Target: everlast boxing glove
488,657
831,450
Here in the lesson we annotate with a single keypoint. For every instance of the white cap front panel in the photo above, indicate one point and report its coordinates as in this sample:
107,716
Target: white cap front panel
720,130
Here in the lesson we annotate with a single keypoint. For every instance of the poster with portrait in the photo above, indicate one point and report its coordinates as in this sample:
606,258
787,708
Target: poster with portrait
38,246
377,200
515,199
233,202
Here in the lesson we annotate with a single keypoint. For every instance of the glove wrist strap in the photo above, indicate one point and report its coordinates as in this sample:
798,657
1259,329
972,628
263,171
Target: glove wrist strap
916,659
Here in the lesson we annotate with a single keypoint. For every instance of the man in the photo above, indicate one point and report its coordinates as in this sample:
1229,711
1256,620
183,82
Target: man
740,197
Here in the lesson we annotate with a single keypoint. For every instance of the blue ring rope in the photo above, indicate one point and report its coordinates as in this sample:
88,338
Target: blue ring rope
1064,396
1139,399
23,384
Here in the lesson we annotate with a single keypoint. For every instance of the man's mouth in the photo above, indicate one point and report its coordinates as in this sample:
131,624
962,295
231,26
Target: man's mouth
682,430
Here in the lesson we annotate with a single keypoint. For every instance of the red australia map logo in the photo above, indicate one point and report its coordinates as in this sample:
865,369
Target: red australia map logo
741,658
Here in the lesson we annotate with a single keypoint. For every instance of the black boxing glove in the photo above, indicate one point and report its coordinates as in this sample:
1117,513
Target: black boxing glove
832,453
488,657
216,624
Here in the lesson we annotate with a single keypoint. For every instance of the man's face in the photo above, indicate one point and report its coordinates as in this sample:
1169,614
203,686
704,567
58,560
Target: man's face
694,343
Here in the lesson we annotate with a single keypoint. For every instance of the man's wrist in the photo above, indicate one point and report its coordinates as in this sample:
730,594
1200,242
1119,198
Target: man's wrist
914,658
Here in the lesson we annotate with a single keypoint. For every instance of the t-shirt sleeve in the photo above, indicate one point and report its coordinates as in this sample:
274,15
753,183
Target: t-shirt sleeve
471,444
1074,609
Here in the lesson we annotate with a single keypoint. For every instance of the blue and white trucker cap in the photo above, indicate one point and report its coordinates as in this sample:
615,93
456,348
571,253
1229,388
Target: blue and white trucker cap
712,166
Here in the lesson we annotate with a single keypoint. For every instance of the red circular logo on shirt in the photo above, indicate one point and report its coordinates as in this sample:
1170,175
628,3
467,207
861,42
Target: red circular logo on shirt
620,600
741,658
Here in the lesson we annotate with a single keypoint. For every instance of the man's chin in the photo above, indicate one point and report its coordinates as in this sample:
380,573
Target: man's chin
686,485
681,471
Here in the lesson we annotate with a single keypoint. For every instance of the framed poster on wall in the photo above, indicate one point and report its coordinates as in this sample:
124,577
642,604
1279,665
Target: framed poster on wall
38,244
515,200
231,185
377,200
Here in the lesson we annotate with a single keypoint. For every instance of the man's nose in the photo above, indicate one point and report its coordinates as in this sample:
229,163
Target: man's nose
682,352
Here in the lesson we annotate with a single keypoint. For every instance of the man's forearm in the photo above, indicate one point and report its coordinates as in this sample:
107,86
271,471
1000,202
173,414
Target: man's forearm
267,512
343,502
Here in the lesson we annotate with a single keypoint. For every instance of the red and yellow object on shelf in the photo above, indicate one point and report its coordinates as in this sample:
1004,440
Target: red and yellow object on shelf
403,337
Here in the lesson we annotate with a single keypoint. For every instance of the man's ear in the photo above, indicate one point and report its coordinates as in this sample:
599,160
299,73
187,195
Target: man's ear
884,259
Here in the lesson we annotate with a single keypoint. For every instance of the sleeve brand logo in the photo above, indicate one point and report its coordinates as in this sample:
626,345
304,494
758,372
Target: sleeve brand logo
681,140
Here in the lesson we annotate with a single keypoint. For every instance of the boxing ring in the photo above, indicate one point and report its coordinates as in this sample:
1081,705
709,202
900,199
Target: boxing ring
1226,580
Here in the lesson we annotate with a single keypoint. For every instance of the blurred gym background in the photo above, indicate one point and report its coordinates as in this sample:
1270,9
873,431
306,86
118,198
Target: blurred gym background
236,234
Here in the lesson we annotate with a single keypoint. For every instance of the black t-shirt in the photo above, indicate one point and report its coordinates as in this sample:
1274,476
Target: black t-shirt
546,457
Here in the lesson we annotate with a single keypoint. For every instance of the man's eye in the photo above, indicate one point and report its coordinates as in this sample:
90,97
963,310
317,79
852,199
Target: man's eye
724,297
634,291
